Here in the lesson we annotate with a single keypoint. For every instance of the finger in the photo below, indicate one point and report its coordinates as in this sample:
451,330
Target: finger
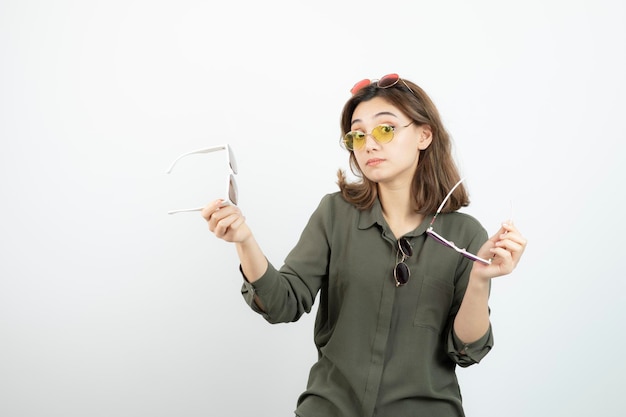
237,223
211,208
509,231
510,249
225,225
220,213
513,248
510,228
500,253
516,244
507,227
514,236
216,218
496,237
503,259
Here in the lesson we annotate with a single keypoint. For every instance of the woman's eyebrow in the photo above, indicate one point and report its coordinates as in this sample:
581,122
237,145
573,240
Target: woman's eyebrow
382,113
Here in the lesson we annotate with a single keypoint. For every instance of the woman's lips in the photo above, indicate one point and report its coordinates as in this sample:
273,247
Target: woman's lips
374,161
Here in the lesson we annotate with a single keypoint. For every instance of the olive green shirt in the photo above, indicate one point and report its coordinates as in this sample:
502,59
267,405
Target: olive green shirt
383,350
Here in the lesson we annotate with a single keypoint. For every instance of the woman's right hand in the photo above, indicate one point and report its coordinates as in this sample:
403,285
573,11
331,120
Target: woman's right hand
226,221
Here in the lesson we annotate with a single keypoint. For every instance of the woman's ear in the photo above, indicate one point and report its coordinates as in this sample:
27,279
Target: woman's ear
425,137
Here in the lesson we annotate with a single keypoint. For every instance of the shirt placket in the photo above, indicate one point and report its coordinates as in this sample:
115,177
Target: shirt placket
383,327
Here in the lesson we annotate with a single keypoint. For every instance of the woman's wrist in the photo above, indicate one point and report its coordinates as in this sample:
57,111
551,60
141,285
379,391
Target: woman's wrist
479,281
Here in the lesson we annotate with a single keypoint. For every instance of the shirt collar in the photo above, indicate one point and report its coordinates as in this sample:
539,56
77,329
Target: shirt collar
374,215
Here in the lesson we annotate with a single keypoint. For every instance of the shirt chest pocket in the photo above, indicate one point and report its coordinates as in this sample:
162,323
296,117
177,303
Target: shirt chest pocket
433,303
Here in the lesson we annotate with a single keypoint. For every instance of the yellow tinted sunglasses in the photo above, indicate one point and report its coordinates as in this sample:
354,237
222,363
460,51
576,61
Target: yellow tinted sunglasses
355,139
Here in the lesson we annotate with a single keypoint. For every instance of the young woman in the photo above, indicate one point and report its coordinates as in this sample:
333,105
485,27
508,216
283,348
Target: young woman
400,304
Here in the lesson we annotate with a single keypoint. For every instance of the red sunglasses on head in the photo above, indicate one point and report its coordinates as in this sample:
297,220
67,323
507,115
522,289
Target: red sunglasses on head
386,81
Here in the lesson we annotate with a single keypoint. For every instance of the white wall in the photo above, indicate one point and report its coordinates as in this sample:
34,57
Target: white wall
110,307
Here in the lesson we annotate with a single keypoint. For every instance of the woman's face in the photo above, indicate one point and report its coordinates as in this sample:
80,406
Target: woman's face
393,162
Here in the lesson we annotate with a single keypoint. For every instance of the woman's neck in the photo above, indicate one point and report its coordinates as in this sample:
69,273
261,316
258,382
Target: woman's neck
399,209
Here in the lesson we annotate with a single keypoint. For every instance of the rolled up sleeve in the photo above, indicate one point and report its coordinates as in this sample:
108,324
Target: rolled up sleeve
466,354
288,293
280,300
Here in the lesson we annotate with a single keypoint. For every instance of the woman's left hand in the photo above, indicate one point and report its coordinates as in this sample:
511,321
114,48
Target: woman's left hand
505,249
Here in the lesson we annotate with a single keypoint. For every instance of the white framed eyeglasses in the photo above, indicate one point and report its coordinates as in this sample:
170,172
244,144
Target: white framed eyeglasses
231,194
447,242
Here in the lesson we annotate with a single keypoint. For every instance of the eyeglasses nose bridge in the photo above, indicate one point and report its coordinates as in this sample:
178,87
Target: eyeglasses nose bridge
374,141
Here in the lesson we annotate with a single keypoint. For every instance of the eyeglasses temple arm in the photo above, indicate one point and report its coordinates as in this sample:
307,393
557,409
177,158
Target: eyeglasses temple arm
185,210
445,200
205,150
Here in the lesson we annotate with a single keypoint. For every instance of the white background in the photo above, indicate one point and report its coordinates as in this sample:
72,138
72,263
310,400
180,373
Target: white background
110,307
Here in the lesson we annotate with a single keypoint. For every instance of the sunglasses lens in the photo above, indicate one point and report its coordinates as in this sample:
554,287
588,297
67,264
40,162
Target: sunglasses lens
233,192
439,238
401,273
231,159
383,133
472,257
388,80
354,140
359,85
405,247
348,141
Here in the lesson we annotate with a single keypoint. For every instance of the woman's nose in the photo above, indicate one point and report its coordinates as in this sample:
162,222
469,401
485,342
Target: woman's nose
370,142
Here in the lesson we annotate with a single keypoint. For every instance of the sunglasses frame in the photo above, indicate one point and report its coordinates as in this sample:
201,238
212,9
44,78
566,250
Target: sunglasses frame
401,268
445,242
232,191
345,139
386,81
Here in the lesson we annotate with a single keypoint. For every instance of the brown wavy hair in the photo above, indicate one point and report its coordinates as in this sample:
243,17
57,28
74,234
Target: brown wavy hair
436,171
